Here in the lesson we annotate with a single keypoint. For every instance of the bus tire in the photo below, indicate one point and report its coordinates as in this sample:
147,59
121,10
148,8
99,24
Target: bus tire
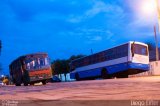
18,84
44,82
104,73
77,77
25,84
124,76
32,83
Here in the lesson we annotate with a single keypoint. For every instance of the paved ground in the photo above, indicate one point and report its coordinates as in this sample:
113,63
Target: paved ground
142,88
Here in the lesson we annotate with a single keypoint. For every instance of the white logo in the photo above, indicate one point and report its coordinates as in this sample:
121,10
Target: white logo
9,103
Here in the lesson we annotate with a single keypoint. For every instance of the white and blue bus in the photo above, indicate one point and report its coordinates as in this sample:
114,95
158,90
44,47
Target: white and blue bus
120,61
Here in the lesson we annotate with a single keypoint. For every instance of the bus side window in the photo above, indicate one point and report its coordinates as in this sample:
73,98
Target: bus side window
28,66
46,61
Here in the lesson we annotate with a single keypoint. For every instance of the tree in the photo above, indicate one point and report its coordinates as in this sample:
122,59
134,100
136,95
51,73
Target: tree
62,66
56,67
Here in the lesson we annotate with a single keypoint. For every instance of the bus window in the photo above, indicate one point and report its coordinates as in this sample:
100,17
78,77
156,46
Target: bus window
140,49
47,61
30,64
42,62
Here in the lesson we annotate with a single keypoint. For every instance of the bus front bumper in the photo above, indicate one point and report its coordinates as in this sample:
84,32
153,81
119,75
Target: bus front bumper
139,66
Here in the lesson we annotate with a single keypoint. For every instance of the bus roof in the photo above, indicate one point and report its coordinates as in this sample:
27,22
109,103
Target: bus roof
28,55
33,54
136,42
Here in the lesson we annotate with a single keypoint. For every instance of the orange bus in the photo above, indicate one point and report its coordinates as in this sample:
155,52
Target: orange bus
30,69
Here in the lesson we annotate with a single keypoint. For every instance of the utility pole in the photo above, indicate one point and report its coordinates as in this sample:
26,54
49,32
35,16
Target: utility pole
158,14
156,41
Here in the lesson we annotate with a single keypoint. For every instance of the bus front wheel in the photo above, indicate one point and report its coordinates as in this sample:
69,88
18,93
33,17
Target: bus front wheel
25,84
44,82
18,84
32,83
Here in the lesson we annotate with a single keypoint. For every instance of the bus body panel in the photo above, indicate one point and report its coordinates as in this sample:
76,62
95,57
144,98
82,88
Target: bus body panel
95,69
103,64
122,67
40,75
139,66
140,59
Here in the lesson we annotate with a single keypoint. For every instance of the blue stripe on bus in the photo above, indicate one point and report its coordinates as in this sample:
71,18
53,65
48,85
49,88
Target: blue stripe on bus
111,69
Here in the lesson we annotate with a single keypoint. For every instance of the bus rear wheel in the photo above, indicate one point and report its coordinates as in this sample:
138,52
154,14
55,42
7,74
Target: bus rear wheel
104,73
123,76
18,84
25,84
44,82
77,77
32,83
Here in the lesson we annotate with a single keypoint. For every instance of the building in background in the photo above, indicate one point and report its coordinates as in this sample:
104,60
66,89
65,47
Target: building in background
152,55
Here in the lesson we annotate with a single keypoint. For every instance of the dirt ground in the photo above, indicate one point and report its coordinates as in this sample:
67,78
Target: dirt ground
126,90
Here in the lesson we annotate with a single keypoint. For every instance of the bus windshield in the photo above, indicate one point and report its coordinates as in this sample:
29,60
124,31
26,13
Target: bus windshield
140,49
37,63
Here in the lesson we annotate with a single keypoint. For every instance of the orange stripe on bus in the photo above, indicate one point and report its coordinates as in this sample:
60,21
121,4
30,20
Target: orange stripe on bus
38,72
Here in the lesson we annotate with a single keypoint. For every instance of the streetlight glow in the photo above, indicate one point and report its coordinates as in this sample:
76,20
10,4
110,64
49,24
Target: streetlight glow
145,12
148,7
